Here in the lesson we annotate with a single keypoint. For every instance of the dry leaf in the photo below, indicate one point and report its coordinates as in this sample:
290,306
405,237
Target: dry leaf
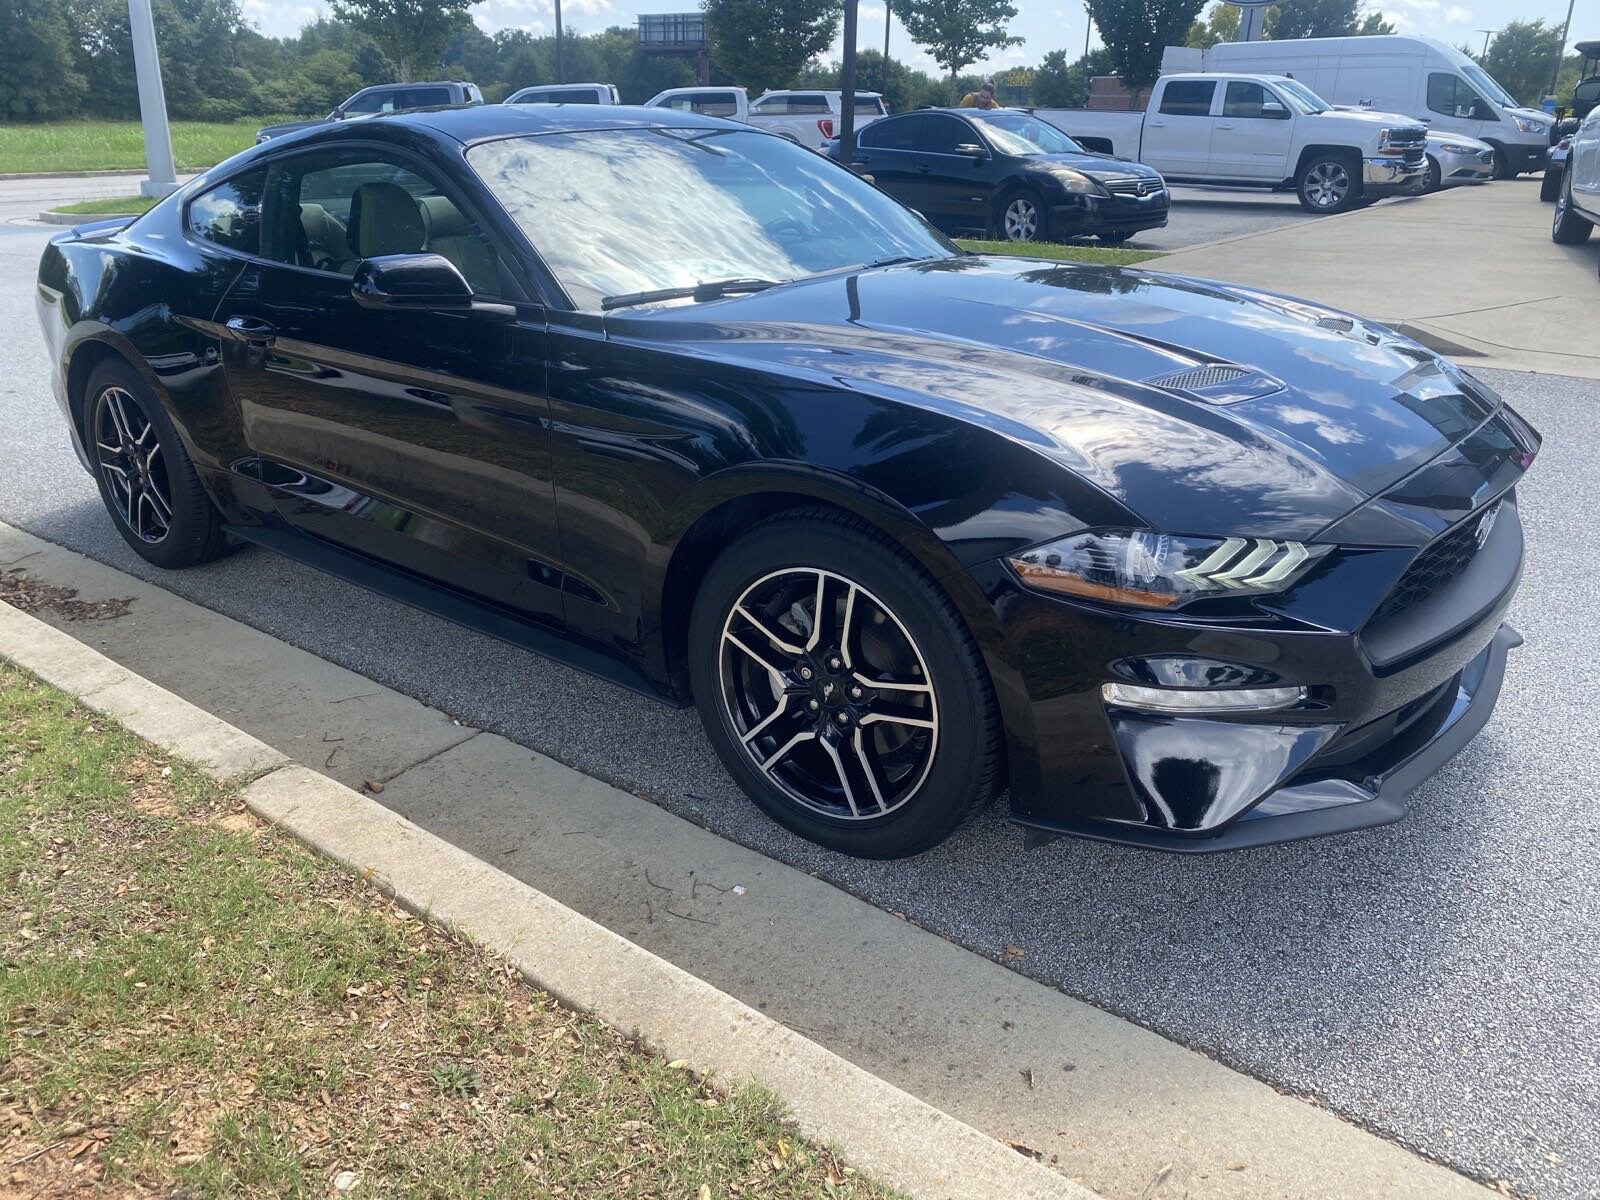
1014,954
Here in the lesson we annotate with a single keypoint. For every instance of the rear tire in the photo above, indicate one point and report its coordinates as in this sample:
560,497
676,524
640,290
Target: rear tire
1432,179
1567,227
1550,184
146,480
1502,165
872,731
1329,183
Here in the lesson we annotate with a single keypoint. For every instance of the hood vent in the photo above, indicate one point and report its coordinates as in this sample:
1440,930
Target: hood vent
1219,383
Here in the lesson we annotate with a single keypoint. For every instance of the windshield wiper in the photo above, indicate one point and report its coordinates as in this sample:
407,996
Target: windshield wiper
712,290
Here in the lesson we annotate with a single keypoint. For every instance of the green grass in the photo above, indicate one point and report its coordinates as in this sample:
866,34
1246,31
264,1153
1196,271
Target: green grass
119,145
113,205
1106,255
195,1005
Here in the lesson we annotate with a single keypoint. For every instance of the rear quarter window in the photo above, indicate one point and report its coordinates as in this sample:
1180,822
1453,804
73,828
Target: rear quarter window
229,214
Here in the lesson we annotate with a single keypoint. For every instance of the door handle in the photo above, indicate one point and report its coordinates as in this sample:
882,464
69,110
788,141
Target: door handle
252,331
924,169
1158,124
1222,126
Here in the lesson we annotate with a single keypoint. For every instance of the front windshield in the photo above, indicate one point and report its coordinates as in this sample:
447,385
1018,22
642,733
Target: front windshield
1301,96
1018,133
1486,83
620,211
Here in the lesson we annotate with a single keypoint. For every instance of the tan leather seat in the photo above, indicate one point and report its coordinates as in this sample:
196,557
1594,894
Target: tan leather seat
452,235
326,238
385,219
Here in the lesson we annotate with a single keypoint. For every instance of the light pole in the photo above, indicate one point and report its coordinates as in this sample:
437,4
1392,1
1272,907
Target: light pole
1487,33
847,86
888,15
163,180
561,76
1561,48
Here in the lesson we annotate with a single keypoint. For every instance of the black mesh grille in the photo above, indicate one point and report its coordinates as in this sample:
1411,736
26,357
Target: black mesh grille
1439,563
1200,377
1139,186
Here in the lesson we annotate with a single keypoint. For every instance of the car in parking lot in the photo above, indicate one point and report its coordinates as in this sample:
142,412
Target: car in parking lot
805,116
1453,160
1004,172
385,97
567,93
1578,203
1176,563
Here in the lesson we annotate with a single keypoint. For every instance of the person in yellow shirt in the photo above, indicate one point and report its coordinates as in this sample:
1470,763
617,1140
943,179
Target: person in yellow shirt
982,98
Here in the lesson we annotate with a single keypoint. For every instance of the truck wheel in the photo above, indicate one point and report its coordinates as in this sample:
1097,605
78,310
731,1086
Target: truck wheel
1567,228
1021,216
1329,183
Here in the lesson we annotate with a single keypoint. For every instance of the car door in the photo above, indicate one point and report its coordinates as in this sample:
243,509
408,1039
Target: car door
417,438
956,169
1586,164
1253,133
1177,130
889,151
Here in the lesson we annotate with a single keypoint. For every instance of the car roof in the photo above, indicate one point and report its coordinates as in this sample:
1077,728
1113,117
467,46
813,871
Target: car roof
478,122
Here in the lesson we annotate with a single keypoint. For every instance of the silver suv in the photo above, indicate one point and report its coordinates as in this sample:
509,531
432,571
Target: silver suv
1578,204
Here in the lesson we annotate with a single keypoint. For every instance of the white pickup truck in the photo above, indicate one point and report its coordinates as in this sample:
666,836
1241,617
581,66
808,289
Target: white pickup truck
804,116
1265,131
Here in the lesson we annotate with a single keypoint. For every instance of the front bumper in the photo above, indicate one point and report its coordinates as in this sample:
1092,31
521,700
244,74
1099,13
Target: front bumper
1109,214
1524,157
1465,168
1388,176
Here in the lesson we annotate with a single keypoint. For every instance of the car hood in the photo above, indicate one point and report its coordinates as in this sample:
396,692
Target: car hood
1201,407
1366,116
1096,166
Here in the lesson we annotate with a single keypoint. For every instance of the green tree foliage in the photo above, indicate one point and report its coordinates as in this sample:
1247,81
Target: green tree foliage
905,88
1060,84
1522,57
1221,24
767,43
38,61
413,33
958,33
1138,31
1323,18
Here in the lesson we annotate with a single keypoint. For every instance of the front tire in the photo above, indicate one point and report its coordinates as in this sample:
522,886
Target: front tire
1502,164
1550,184
841,688
1433,179
1114,239
1329,183
1022,217
1567,227
146,480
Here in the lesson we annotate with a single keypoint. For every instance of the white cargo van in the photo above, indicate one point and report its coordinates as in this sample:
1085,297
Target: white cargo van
1417,76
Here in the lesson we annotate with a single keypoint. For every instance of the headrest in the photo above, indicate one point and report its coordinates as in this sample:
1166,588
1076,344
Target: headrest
441,218
384,219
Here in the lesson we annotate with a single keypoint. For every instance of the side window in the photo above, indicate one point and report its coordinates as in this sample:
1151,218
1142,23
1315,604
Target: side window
901,133
771,106
230,213
715,104
424,97
941,135
370,102
575,96
1188,97
330,210
1245,99
1453,96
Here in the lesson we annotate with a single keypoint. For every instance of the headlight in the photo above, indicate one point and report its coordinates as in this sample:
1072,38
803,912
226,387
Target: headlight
1157,570
1529,125
1074,181
1448,148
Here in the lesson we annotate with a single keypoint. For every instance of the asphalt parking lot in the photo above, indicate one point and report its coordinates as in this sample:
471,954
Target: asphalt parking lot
1435,980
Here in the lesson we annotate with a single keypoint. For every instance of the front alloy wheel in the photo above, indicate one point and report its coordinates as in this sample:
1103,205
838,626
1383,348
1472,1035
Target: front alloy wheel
829,694
1020,220
128,451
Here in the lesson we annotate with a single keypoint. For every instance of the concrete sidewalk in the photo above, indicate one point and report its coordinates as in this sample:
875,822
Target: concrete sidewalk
1104,1101
1471,272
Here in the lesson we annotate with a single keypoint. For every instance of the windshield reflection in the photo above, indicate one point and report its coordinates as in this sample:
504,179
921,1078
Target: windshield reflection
614,211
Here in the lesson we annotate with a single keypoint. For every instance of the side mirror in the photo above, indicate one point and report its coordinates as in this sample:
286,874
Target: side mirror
972,150
1274,111
419,283
337,114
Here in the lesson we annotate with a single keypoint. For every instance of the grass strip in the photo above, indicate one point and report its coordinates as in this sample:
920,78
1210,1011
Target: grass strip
119,145
194,1004
1110,256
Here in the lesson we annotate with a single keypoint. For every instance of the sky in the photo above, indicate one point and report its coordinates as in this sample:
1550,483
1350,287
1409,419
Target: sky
1046,26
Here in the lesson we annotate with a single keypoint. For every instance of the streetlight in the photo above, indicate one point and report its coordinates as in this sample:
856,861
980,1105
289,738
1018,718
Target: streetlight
847,85
1486,34
163,179
561,76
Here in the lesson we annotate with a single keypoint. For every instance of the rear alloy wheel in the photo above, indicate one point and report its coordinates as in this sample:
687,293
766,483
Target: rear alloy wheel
1567,227
146,480
1328,184
841,689
1022,218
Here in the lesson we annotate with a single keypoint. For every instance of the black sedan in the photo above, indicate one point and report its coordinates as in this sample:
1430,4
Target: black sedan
1003,172
703,412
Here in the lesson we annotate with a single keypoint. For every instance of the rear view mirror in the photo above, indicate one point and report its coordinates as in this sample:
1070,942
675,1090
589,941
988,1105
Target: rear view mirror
419,283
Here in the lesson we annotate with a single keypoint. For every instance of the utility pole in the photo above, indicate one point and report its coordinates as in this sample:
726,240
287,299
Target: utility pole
1088,28
888,15
163,179
561,75
1486,35
847,87
1561,48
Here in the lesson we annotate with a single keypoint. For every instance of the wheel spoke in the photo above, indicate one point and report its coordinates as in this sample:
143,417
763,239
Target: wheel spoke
844,776
105,449
773,669
119,419
867,769
158,502
817,612
767,632
769,720
847,626
899,716
891,685
805,735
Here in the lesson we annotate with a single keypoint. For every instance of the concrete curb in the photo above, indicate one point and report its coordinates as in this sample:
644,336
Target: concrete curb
907,1143
60,218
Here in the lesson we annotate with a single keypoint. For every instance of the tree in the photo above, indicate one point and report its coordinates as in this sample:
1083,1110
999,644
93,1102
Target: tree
1058,84
37,62
1137,32
1221,25
1323,18
958,32
766,43
1522,57
904,90
413,33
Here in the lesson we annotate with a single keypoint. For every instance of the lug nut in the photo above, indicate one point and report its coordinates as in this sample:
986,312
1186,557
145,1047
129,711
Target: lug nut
805,672
813,705
834,664
843,718
856,693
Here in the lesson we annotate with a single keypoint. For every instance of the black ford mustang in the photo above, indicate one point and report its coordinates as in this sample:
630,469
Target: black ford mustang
1179,564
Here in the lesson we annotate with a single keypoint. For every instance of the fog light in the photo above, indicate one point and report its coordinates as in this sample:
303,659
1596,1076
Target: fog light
1202,700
